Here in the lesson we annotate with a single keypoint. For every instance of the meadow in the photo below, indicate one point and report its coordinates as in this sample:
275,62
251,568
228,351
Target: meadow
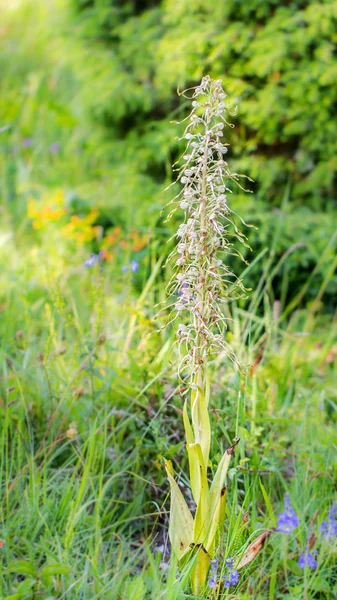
91,402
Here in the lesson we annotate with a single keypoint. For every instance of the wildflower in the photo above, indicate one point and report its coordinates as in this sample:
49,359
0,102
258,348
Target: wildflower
198,290
81,229
90,262
133,267
211,583
232,577
213,574
27,142
204,177
287,520
1,543
307,558
54,148
329,527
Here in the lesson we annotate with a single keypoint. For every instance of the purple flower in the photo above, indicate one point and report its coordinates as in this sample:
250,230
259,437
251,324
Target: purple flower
134,266
232,577
213,574
90,262
307,558
54,148
27,142
211,583
235,577
329,527
287,520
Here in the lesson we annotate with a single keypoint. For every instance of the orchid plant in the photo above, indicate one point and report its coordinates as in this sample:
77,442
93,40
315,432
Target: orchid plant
201,285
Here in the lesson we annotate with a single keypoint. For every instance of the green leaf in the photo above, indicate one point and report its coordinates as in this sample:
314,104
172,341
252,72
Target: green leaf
268,504
217,518
200,492
181,520
188,428
200,570
23,567
197,471
217,498
220,475
54,569
200,421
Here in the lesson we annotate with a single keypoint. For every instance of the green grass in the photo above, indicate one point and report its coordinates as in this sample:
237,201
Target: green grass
95,408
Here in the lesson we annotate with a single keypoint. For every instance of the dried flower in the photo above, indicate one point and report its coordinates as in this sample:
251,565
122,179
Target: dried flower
287,520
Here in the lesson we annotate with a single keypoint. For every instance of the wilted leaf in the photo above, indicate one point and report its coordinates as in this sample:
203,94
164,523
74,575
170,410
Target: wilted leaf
253,549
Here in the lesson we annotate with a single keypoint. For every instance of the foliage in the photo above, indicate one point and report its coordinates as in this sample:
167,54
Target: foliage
276,60
276,63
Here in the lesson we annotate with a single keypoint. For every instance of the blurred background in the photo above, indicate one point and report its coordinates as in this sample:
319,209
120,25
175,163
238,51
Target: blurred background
88,94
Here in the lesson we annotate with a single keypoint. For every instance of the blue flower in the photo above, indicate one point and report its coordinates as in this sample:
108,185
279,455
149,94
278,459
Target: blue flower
214,565
90,262
211,583
235,577
213,574
287,520
329,527
307,558
232,577
134,266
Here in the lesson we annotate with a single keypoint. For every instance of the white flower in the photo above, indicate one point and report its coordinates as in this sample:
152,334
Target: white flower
184,205
202,280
